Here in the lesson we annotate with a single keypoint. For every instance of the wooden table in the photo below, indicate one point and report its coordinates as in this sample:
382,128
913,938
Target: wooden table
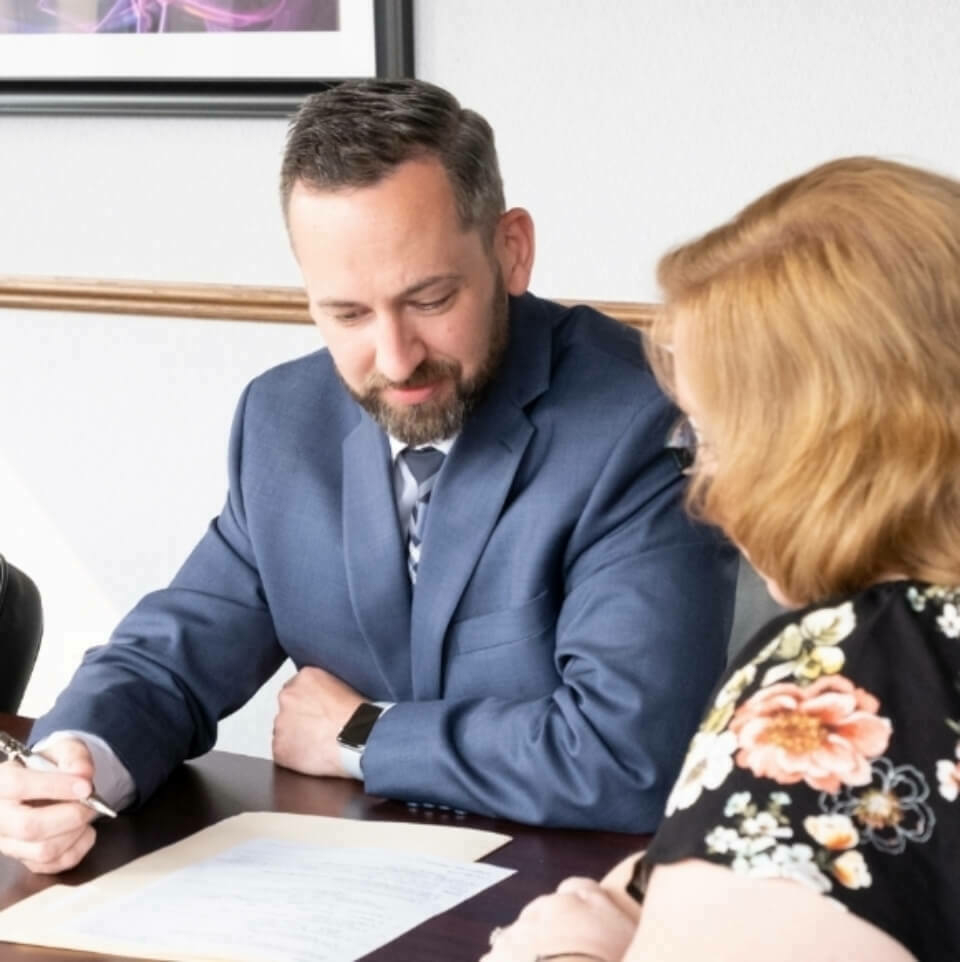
221,784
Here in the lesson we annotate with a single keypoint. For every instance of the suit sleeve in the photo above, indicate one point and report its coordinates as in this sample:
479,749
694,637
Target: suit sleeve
640,641
183,658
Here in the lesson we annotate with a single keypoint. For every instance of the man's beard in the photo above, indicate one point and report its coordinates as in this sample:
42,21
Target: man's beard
431,420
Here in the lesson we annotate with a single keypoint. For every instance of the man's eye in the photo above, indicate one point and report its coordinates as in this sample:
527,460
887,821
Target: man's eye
433,305
349,317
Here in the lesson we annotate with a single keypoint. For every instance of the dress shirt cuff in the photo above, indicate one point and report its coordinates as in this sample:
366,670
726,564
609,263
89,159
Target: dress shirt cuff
111,780
349,759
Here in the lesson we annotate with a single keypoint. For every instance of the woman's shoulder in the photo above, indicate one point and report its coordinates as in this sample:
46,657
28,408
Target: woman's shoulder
865,622
830,755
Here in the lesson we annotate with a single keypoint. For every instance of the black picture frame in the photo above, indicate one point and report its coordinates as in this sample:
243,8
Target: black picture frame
393,28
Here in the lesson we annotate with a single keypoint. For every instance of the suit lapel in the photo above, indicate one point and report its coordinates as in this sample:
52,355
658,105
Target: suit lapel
375,554
464,507
471,489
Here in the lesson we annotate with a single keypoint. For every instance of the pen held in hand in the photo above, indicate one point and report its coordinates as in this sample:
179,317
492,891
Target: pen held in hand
40,763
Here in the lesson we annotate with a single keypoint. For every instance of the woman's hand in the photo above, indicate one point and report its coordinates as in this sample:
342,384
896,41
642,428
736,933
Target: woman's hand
580,917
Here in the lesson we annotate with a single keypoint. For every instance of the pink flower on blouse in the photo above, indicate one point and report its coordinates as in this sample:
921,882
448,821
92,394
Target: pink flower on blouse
824,733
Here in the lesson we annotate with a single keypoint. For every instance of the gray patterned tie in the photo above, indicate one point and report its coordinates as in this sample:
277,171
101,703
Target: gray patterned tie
424,465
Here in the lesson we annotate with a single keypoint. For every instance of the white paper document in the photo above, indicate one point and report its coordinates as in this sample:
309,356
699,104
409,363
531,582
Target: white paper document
288,902
262,899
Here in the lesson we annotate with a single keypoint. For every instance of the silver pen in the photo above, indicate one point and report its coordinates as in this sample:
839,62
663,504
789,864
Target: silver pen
40,763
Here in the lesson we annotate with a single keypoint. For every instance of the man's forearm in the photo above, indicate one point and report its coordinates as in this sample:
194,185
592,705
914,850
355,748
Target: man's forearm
521,761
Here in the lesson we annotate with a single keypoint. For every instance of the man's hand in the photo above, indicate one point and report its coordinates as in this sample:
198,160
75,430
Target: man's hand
581,916
54,836
314,706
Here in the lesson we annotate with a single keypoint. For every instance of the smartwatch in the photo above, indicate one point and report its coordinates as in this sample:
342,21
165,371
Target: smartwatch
357,730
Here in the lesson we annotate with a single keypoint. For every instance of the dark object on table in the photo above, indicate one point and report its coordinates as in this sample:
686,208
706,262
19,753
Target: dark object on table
21,627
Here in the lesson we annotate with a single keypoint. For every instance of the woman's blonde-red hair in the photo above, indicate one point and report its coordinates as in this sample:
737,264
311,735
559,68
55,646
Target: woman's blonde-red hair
822,341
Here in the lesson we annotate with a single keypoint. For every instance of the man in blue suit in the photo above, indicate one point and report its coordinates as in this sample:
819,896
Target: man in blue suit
460,521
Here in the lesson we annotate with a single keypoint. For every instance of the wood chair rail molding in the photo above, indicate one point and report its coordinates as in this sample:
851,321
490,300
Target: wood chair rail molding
216,302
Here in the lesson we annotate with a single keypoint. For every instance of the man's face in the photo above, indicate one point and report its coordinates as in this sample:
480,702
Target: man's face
412,308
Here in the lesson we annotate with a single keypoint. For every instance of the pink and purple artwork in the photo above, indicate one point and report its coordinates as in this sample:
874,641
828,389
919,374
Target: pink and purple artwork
167,16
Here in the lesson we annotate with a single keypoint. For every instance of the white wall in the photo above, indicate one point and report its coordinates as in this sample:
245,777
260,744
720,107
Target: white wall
624,126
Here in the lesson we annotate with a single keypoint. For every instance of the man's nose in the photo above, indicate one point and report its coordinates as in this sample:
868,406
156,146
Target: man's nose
399,348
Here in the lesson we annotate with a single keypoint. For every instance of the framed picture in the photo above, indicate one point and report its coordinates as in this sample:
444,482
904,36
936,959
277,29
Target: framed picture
193,57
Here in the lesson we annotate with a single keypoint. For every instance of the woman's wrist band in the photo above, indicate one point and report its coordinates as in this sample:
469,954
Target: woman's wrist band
553,956
568,955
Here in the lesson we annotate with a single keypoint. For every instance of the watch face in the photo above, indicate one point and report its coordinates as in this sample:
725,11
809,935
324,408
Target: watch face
356,731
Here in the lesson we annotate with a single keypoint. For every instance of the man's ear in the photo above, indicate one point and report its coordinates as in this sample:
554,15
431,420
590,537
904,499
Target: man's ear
515,244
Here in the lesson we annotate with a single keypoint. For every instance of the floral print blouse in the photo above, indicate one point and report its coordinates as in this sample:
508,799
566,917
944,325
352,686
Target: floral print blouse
830,755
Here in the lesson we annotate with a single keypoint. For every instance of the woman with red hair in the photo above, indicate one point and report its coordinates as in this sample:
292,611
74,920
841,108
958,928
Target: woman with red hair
814,344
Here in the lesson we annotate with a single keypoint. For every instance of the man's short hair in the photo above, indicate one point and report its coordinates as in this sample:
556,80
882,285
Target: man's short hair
822,342
358,132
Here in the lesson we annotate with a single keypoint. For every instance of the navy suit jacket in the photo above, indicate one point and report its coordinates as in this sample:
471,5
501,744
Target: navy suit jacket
569,619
